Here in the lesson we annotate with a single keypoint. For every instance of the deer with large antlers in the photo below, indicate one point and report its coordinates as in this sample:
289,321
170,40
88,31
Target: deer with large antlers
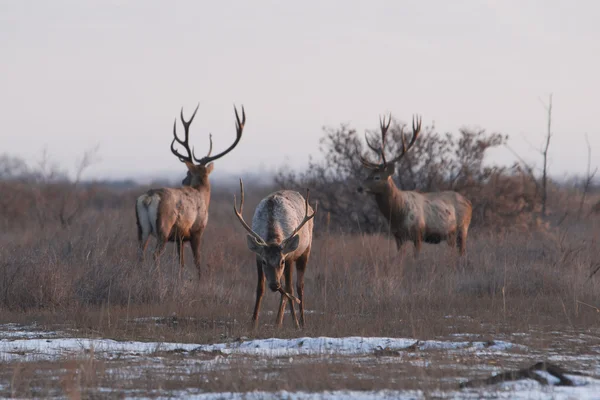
418,217
181,214
281,235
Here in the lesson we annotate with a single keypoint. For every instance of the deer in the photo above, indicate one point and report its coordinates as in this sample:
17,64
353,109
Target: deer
180,214
413,216
280,236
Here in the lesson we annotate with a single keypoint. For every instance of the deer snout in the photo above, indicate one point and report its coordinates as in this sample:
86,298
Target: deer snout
360,189
274,286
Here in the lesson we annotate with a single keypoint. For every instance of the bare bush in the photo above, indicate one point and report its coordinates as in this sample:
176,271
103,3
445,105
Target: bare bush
502,197
42,193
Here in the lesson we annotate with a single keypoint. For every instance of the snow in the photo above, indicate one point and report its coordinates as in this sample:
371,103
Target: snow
50,348
338,395
22,345
353,345
527,389
551,379
9,331
532,390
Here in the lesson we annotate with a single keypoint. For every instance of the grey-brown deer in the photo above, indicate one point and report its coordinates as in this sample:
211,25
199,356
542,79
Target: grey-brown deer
181,214
418,217
281,235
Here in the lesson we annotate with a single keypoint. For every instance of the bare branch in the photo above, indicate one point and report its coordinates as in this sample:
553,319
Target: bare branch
545,156
589,175
72,201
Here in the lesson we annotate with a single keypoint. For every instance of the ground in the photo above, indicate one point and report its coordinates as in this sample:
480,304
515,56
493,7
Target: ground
44,363
81,317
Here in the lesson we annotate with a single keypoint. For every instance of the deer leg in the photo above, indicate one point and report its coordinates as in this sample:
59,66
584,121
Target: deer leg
462,241
289,288
399,242
143,246
260,291
180,252
417,243
161,243
451,239
300,269
196,241
282,303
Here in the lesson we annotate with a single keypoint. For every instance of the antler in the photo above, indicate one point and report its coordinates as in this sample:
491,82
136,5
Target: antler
241,218
239,128
186,137
383,126
304,220
416,127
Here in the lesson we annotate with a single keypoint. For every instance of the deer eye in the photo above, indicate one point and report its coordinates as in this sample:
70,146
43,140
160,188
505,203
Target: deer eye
376,178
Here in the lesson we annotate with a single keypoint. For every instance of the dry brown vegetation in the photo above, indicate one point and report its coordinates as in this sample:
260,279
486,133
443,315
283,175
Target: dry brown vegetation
521,271
87,274
86,277
503,197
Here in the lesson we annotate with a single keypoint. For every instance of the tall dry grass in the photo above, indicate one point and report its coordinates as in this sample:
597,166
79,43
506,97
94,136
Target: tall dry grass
87,276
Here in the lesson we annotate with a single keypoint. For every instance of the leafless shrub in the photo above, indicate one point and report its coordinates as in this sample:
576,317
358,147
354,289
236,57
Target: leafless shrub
544,153
502,197
589,177
42,193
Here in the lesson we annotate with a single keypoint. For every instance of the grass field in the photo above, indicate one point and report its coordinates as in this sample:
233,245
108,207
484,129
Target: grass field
83,319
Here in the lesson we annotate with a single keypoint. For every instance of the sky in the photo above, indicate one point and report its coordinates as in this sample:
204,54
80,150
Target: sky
76,74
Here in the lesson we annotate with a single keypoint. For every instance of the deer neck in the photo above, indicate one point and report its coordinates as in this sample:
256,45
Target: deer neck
391,201
203,189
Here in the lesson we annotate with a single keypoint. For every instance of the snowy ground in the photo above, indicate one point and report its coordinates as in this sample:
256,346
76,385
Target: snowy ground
381,368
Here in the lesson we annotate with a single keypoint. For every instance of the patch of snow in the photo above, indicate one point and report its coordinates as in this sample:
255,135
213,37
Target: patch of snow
149,319
457,316
530,389
521,390
271,312
35,349
52,349
551,379
9,331
337,394
346,345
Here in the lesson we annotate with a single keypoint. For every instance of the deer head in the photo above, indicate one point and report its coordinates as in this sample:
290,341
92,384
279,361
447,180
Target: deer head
197,174
272,255
377,180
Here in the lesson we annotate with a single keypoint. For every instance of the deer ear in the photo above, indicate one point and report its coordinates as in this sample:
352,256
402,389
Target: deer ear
209,168
390,169
291,244
253,245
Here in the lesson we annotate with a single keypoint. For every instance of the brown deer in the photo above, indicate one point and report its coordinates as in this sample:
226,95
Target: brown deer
279,238
181,214
413,216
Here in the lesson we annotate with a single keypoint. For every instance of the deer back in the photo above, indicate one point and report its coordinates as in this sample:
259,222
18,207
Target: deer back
278,214
183,209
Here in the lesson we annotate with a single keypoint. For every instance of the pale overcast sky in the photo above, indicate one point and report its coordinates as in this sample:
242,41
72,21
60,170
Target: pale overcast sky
77,73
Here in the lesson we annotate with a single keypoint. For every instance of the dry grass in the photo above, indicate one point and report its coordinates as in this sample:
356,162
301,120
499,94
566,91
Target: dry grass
87,277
